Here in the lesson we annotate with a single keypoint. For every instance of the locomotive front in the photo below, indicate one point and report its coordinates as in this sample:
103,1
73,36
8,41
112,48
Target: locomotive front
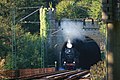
68,56
79,54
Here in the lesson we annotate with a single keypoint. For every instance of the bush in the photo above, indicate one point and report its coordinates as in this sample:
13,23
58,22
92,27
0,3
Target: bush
98,71
75,9
69,9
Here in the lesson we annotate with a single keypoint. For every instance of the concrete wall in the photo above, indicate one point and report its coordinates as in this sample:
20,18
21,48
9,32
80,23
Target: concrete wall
90,30
115,46
111,16
113,51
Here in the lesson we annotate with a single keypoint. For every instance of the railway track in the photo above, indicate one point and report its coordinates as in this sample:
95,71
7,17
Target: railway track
67,75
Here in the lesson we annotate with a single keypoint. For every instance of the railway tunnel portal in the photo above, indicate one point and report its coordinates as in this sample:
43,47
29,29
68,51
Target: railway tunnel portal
78,29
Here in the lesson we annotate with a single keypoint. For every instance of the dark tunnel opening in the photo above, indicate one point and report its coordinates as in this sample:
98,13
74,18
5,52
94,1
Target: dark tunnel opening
84,53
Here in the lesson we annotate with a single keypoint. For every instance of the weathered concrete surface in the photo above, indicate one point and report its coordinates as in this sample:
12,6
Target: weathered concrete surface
115,46
113,51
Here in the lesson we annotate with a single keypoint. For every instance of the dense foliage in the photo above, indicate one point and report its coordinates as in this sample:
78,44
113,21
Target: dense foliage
26,43
75,9
28,51
69,9
99,71
5,37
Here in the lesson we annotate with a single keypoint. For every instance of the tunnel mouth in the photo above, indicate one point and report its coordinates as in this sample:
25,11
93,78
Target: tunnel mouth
86,52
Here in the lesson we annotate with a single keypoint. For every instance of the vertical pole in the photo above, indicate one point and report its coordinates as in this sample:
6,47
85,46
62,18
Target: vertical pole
109,51
107,16
60,60
106,57
42,51
115,37
46,51
41,17
43,34
55,65
13,40
113,42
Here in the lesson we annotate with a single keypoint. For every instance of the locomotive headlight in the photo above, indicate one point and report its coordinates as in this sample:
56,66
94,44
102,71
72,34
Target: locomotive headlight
64,62
69,45
74,62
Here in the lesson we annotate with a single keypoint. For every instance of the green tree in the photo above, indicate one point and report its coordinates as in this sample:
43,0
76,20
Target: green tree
5,37
70,9
95,9
78,9
28,51
6,7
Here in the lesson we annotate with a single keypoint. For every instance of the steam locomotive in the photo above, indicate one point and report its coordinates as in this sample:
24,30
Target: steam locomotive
79,53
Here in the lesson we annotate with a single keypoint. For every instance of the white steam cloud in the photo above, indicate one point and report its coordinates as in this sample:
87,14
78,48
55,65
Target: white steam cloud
72,29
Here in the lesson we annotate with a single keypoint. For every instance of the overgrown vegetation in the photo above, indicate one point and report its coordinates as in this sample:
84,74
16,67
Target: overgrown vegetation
70,9
98,71
75,9
28,40
28,45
